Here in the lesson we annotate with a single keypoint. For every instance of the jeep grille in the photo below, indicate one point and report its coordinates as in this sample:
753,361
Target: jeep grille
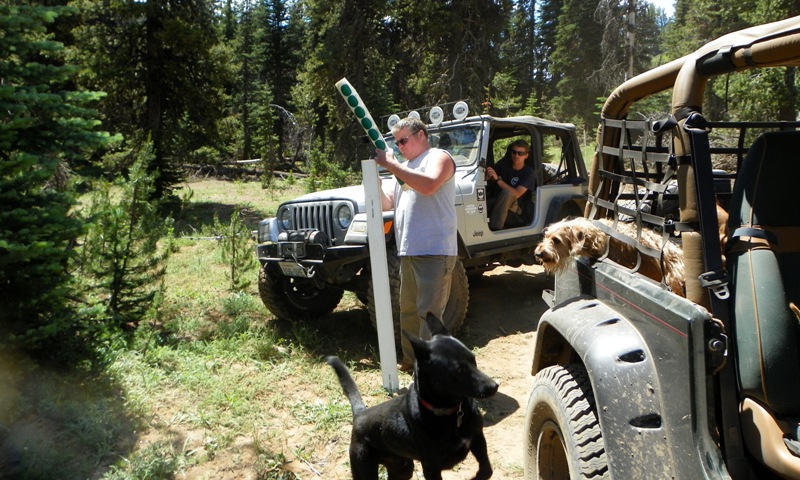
319,216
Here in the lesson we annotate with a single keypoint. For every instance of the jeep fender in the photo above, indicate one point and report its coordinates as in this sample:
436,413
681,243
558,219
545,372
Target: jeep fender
623,378
357,232
268,230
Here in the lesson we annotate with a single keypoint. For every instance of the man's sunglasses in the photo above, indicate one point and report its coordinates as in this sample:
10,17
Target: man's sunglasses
403,140
519,152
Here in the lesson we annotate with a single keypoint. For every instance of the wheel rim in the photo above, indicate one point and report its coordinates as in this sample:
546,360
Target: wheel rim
552,459
300,291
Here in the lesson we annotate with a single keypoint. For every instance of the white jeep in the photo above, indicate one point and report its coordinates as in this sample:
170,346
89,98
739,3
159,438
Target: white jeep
316,246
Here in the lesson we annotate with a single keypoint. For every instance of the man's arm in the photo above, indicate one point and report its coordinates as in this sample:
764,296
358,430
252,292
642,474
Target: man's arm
518,191
387,197
440,168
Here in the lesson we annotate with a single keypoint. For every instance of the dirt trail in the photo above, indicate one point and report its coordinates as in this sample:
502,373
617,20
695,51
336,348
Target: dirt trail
504,307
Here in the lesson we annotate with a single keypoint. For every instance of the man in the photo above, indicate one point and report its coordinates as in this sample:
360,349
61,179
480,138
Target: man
425,227
513,178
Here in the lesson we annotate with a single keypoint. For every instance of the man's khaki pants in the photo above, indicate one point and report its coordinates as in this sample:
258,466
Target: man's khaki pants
424,287
506,201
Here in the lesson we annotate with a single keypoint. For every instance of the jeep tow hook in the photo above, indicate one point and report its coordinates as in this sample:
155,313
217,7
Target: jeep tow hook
311,274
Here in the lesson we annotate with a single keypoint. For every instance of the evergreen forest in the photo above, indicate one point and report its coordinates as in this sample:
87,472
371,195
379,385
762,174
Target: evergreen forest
118,98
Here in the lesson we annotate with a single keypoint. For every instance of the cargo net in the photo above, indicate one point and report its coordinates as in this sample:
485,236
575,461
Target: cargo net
636,178
636,175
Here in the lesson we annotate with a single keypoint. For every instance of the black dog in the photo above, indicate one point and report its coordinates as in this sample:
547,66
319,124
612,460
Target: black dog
436,422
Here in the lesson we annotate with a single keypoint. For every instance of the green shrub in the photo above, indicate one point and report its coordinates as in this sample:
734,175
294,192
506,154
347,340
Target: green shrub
237,250
122,261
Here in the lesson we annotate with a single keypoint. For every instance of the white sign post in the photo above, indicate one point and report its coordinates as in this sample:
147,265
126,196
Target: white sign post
377,245
380,276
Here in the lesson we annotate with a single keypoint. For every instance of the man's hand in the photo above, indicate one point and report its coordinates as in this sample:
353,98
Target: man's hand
491,174
384,158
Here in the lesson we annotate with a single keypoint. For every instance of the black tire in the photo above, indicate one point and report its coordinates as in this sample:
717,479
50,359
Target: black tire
454,313
563,437
569,209
292,298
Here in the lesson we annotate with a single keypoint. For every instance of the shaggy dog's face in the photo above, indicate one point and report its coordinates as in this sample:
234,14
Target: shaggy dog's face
580,237
561,240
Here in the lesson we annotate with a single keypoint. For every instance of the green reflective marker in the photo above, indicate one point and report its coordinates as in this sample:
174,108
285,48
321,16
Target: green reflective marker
362,114
360,111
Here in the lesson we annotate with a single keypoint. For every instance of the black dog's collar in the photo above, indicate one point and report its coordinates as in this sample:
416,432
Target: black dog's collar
443,412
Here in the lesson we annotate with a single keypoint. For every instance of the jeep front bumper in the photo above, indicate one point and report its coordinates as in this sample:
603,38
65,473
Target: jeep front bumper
302,257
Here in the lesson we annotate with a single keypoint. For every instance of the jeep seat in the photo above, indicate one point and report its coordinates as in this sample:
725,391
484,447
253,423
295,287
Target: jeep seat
764,261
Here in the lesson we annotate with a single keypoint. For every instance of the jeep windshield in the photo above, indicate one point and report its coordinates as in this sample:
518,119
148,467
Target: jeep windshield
462,141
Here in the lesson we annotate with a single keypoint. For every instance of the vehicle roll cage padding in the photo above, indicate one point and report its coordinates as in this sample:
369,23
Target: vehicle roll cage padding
764,45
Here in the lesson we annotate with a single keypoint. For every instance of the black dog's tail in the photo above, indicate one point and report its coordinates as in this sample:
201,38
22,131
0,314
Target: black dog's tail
348,384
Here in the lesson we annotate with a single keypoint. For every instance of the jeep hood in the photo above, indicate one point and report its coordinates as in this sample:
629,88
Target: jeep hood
353,193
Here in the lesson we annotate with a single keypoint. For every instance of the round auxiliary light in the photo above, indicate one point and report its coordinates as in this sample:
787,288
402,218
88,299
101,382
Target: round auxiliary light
436,115
414,114
393,119
460,110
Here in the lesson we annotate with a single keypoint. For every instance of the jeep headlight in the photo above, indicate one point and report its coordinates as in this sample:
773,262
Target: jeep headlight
344,215
285,218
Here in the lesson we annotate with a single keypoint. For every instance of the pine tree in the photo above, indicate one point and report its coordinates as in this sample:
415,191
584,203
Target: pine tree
343,39
45,125
515,82
157,61
237,250
122,260
577,59
545,77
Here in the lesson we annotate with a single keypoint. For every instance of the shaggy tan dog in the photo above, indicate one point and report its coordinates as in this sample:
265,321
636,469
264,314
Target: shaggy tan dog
580,237
722,221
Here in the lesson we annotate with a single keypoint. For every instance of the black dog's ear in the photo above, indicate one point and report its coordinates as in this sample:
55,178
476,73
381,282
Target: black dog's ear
435,325
420,346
